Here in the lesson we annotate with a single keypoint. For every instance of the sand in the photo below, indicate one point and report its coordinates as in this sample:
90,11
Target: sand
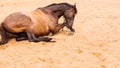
95,43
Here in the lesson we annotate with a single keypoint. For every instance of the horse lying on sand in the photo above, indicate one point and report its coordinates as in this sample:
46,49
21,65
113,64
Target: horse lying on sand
37,23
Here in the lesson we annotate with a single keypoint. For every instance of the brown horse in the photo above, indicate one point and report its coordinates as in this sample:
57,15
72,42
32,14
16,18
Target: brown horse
42,21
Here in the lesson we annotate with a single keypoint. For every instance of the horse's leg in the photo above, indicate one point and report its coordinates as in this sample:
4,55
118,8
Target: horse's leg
69,27
4,38
57,28
33,38
46,39
21,36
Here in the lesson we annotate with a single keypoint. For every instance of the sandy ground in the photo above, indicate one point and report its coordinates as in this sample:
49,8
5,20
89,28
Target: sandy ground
95,44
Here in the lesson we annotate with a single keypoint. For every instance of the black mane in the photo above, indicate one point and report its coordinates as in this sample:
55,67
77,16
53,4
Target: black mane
66,4
63,4
52,5
69,6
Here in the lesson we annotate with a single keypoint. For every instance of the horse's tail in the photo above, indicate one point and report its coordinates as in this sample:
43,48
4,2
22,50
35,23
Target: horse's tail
3,35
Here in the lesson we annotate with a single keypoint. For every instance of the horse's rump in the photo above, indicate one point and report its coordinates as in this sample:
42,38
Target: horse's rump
16,22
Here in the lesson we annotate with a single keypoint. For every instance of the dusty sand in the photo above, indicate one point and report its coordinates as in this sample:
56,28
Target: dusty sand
95,44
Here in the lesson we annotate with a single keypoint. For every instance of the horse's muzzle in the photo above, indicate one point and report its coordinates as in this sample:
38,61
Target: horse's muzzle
69,26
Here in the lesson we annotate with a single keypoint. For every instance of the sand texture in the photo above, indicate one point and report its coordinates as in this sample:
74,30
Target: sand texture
95,43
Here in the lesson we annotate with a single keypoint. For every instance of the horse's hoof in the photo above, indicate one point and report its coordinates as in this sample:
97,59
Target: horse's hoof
48,39
34,40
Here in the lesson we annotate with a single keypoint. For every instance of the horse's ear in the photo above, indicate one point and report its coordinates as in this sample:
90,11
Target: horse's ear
75,8
74,5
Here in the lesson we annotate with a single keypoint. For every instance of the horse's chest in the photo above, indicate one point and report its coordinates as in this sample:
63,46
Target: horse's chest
41,28
40,23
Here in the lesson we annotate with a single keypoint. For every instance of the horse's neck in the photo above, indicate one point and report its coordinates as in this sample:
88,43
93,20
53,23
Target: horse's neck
57,8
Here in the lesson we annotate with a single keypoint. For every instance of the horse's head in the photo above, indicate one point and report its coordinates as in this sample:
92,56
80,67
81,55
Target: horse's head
64,9
69,15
